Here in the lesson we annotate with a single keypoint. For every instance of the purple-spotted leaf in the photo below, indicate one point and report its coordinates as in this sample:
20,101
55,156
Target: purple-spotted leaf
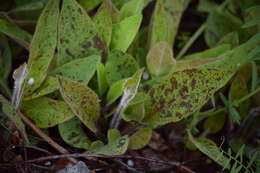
43,45
182,93
165,21
82,100
73,133
48,86
13,31
119,66
80,70
46,112
124,32
160,59
78,36
140,138
117,144
103,21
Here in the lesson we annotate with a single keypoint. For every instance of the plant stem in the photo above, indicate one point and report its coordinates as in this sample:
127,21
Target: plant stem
44,136
248,96
191,40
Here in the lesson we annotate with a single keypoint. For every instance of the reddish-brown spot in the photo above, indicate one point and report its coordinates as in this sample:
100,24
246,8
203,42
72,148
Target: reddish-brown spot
193,83
98,43
185,104
86,45
72,135
167,92
151,92
68,52
174,83
183,91
178,115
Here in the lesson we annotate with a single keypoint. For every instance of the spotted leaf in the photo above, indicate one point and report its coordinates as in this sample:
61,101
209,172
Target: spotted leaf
46,112
72,132
78,36
82,100
180,94
80,70
119,66
43,45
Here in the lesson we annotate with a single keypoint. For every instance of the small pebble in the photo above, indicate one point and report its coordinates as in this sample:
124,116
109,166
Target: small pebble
31,81
145,75
130,163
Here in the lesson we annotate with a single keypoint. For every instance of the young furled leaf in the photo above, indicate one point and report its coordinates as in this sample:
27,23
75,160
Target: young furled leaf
130,90
13,31
80,70
103,21
119,66
78,36
209,148
102,79
182,93
115,91
48,86
140,138
165,21
117,145
43,45
82,100
46,112
124,32
160,59
72,133
19,76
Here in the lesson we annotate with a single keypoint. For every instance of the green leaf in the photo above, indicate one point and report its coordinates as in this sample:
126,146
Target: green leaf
191,63
119,66
217,26
209,148
31,6
115,91
48,86
182,93
102,79
5,58
231,38
103,21
210,53
117,145
124,32
46,112
130,8
10,112
89,4
78,36
13,31
238,90
136,108
165,21
160,59
72,133
140,138
237,57
82,100
76,70
43,45
211,125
